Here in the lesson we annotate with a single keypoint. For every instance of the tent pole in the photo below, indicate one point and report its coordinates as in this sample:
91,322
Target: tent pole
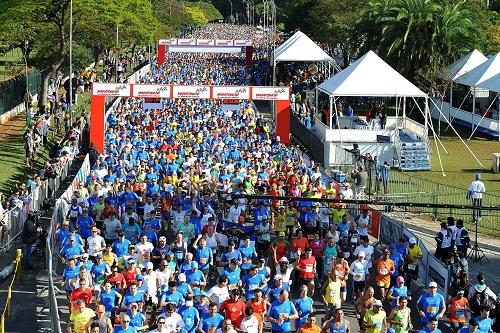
456,133
489,107
274,71
473,107
331,112
436,139
338,118
432,129
404,109
459,108
316,99
397,111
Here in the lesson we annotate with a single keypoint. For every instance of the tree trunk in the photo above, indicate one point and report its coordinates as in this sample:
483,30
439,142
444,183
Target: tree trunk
97,54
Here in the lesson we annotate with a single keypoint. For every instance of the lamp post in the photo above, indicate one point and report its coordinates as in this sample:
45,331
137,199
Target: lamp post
231,17
27,96
70,105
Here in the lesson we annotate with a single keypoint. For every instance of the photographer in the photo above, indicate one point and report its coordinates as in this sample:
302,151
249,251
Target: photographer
29,238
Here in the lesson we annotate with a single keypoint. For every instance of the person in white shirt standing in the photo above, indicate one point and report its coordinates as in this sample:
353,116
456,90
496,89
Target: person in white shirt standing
360,274
475,193
144,250
250,323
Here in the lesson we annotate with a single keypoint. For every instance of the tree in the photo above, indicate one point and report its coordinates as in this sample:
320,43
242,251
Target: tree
418,37
333,23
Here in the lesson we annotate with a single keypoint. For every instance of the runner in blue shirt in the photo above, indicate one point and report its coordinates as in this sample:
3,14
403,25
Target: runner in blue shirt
189,315
109,298
203,255
304,307
252,281
72,250
196,279
281,313
471,328
233,273
85,222
431,327
212,321
70,272
121,245
431,304
231,253
275,290
247,254
131,230
172,295
484,322
99,270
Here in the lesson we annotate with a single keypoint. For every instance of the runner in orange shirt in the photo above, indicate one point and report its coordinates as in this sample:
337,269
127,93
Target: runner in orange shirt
310,326
459,306
384,267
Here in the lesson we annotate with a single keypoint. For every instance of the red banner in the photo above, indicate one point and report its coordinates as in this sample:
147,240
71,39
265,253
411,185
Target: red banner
375,216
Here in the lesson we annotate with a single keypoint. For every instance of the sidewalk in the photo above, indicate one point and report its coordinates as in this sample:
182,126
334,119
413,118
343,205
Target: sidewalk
426,230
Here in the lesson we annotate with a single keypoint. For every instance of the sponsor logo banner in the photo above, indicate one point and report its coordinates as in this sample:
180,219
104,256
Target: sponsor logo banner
242,42
224,42
205,42
271,93
189,42
221,92
111,89
151,91
197,92
172,41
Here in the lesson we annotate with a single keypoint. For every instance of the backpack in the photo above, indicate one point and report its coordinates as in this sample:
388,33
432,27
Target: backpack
479,300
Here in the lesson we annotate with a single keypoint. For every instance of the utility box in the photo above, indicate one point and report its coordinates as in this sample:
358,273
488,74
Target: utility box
495,159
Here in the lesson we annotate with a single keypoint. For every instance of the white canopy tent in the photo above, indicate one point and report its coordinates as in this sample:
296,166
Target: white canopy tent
369,76
300,48
493,83
463,65
372,76
476,77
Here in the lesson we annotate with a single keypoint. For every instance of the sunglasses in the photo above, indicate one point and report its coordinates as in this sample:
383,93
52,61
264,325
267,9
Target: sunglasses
161,323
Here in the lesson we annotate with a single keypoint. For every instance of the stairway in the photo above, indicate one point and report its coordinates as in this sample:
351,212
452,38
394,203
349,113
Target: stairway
414,153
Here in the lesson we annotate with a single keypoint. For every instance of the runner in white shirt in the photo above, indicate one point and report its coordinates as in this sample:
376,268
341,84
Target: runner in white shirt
219,293
367,249
249,324
360,273
95,243
163,273
152,281
144,250
173,320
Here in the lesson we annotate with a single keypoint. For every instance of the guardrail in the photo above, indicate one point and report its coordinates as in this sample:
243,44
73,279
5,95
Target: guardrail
17,273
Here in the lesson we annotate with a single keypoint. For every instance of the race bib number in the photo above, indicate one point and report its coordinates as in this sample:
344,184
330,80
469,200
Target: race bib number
412,267
188,321
460,313
259,217
211,330
203,261
383,271
340,274
281,224
289,218
309,268
431,309
354,239
253,286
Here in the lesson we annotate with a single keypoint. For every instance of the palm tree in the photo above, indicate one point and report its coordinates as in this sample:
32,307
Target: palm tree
416,35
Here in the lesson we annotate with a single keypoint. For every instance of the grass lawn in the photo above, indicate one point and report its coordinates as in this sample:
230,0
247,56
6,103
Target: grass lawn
459,165
7,64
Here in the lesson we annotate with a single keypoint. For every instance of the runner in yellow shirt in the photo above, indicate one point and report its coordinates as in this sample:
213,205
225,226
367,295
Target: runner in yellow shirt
80,317
412,260
280,220
374,320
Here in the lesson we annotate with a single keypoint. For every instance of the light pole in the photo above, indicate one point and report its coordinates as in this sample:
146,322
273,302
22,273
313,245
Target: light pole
27,96
70,105
231,17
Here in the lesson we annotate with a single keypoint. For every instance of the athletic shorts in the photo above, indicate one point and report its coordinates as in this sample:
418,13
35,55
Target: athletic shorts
359,286
384,284
303,281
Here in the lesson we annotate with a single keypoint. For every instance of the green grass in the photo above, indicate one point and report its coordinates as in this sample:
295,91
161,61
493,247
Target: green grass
11,64
459,165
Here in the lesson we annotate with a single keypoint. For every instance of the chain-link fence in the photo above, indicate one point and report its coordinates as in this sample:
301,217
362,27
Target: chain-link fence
12,91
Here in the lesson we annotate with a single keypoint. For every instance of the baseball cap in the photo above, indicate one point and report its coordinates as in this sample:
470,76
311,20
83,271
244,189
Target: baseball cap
138,277
281,234
461,291
278,277
182,277
99,256
284,259
131,261
85,255
234,261
377,303
194,264
361,254
120,234
100,308
65,222
412,240
433,284
149,265
400,279
133,304
94,229
386,250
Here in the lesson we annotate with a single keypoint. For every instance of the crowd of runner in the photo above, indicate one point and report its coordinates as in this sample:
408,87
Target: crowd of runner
160,238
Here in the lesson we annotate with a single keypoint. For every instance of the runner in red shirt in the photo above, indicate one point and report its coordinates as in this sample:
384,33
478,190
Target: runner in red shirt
234,308
306,266
117,279
83,292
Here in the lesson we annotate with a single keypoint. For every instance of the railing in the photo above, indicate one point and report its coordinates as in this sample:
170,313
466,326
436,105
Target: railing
397,144
418,190
6,310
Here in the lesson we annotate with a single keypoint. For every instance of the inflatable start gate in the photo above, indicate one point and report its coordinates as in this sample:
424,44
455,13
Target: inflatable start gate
205,45
281,96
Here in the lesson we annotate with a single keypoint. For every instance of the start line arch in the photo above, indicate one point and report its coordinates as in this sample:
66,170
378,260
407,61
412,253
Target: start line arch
281,95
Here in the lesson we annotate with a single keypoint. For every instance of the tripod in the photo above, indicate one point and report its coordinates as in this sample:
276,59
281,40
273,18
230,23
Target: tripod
476,254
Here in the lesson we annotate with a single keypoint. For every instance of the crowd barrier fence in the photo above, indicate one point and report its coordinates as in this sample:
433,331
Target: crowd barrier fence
390,230
61,207
17,271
